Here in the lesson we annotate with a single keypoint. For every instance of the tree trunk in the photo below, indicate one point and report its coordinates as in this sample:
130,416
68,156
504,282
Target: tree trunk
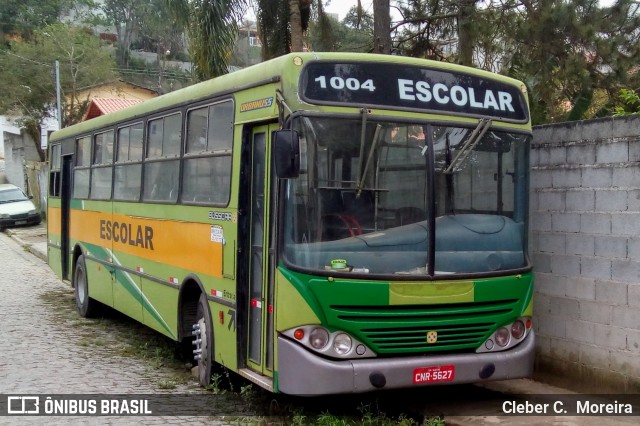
381,27
295,23
465,32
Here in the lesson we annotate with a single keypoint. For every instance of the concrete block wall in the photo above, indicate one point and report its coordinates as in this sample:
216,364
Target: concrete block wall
585,244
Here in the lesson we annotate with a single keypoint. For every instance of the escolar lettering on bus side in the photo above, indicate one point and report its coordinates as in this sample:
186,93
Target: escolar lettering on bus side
121,232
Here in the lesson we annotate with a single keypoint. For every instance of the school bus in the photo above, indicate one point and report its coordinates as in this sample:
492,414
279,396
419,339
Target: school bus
320,223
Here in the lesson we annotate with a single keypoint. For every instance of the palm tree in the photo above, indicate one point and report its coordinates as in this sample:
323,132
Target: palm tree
273,27
212,26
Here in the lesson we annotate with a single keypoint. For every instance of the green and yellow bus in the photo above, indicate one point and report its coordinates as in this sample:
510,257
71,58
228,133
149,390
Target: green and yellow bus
320,223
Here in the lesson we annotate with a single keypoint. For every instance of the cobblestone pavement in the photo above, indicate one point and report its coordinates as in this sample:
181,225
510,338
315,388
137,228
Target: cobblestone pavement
46,348
45,352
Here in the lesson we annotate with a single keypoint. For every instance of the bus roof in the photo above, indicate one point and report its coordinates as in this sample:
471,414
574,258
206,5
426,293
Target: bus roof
284,68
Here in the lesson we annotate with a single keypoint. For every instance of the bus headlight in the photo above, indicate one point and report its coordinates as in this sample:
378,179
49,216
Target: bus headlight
517,329
318,338
507,336
342,344
335,344
502,337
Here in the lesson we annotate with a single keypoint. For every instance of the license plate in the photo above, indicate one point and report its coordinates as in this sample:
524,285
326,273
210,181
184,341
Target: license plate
21,222
439,373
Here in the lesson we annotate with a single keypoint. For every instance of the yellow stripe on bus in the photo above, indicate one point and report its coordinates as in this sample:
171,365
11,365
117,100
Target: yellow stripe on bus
54,220
406,293
189,246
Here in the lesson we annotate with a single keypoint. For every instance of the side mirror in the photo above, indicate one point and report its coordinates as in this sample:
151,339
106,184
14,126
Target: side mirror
286,151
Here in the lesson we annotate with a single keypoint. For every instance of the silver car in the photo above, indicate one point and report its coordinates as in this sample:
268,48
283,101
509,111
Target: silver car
16,209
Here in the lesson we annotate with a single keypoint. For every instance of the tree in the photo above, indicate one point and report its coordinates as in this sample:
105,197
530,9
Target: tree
357,19
466,31
381,26
165,40
440,30
573,55
629,103
353,34
28,86
22,17
569,52
283,24
126,16
273,27
295,19
212,26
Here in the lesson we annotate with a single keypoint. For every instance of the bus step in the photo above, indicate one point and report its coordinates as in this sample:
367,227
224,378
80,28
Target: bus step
257,378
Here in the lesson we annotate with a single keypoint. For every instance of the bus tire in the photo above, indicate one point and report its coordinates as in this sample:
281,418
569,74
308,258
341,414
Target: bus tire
203,341
87,307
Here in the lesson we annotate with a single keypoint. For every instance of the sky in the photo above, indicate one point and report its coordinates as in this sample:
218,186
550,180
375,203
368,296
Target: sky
341,7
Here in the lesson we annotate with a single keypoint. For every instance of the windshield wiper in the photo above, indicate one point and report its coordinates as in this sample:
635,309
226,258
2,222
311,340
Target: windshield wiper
376,138
476,136
11,201
363,135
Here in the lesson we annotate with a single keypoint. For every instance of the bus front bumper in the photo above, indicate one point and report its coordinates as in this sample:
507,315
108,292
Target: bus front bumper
303,373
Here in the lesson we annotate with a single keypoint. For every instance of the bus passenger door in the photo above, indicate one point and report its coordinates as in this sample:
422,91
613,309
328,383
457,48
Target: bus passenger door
261,267
65,206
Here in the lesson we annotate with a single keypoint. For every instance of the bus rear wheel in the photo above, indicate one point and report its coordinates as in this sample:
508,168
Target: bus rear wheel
203,341
87,307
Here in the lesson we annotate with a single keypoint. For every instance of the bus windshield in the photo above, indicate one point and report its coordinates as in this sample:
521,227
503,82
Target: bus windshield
370,193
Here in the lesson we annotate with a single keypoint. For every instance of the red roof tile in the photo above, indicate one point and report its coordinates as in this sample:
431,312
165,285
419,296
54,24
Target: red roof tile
102,106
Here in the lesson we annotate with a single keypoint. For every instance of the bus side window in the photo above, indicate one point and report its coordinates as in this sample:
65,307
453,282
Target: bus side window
82,168
128,168
101,170
207,164
162,165
54,174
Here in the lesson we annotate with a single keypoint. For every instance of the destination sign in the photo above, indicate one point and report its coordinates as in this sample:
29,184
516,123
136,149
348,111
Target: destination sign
411,87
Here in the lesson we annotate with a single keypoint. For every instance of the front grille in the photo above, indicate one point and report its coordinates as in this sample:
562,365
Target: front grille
404,328
20,216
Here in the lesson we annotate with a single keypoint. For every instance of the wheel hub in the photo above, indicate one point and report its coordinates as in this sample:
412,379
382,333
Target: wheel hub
200,341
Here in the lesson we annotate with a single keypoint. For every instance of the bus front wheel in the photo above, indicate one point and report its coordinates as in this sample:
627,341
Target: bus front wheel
203,341
87,307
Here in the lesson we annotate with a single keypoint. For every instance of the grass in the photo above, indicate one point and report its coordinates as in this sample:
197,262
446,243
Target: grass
117,335
167,384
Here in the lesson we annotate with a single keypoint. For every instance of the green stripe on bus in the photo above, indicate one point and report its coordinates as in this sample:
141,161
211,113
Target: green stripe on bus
127,282
124,279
